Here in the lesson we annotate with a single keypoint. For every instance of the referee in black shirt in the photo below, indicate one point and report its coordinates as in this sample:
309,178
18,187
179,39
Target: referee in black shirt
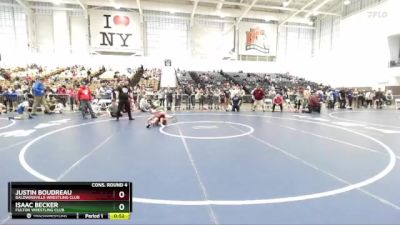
123,97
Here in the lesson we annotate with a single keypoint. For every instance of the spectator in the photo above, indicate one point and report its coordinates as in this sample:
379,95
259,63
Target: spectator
258,98
178,98
71,94
83,97
144,105
169,98
379,99
278,100
113,109
314,104
236,102
38,91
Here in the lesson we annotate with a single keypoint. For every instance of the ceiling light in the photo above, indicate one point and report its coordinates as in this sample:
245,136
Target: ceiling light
346,2
117,6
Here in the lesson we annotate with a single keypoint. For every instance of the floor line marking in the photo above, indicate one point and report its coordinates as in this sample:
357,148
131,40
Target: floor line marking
290,128
11,146
341,142
83,158
5,220
202,186
382,200
357,121
9,125
37,174
389,167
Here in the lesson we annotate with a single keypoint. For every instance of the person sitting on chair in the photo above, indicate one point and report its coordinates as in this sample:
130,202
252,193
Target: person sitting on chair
278,100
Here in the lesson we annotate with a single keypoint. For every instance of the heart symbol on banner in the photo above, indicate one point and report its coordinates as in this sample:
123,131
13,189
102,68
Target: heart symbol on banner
121,20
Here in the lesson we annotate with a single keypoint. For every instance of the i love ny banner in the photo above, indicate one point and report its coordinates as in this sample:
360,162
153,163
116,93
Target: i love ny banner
115,31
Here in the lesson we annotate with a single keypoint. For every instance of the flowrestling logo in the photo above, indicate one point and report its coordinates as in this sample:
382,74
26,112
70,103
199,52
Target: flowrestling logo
256,39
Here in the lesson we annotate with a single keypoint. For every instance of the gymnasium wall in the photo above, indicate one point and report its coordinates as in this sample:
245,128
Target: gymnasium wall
361,56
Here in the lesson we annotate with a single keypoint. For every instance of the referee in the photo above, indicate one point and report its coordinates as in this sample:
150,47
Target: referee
123,97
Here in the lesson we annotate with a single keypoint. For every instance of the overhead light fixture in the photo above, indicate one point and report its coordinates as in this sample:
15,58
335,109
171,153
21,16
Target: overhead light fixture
346,2
285,3
315,13
57,2
117,6
172,11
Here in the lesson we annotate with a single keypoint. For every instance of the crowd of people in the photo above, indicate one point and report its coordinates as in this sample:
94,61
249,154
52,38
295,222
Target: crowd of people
78,89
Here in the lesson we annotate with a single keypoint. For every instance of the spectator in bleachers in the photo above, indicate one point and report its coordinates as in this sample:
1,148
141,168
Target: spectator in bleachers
38,92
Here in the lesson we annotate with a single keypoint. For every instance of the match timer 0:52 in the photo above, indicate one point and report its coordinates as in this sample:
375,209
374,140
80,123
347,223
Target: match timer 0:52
119,216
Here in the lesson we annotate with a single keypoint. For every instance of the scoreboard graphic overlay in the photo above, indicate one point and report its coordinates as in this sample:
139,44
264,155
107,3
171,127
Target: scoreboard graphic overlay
70,200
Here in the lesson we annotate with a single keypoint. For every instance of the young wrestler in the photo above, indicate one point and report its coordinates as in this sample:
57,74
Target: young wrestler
158,118
22,111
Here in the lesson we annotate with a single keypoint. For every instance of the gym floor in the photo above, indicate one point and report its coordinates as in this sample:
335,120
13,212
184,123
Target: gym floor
219,168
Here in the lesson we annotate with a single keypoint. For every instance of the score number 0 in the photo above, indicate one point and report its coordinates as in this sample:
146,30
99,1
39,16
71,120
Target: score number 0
121,206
